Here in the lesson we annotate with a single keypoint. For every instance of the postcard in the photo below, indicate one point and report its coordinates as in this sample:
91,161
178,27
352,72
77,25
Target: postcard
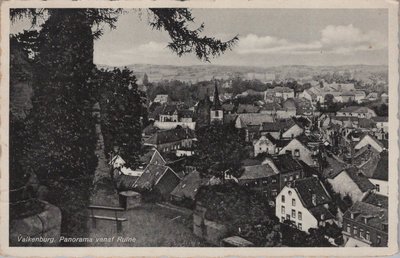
199,128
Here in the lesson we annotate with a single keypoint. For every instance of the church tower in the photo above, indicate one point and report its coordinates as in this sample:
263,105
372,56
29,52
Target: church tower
216,112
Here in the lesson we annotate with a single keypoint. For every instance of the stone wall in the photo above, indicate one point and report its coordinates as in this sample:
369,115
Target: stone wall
42,229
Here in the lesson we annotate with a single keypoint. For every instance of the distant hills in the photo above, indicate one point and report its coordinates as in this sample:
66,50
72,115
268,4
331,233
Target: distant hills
303,73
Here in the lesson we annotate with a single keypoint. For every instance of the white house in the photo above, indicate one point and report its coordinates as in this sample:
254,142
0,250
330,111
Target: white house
369,140
305,203
299,150
161,98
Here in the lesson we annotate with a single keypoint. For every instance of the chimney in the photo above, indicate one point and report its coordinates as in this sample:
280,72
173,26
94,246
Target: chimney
314,199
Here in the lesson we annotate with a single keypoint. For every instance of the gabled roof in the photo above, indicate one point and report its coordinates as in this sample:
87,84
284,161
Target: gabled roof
285,163
380,119
257,172
377,200
377,216
321,213
359,179
246,108
172,135
151,175
381,171
308,186
254,118
278,125
355,109
189,185
271,106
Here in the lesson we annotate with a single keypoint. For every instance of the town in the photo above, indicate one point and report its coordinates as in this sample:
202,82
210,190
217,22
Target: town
285,168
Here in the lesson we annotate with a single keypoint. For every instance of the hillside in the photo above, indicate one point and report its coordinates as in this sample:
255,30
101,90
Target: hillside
366,73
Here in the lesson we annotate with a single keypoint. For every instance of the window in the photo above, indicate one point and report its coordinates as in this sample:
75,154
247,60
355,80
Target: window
297,176
287,216
282,219
355,231
288,152
293,202
378,239
300,215
361,233
293,214
283,209
348,228
216,113
299,226
273,180
377,187
283,198
297,153
274,193
291,178
367,235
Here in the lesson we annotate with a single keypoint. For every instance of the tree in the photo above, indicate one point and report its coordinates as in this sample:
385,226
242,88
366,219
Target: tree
220,150
122,107
145,79
329,99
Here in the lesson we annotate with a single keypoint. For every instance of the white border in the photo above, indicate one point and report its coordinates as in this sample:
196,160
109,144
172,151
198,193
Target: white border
392,7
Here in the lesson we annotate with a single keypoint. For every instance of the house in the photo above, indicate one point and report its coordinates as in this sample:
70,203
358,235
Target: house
372,96
243,120
376,170
246,108
369,140
161,98
302,148
359,96
304,107
157,181
304,202
347,96
171,140
172,116
381,123
261,179
365,225
351,182
185,192
287,168
268,144
385,97
282,128
282,92
356,111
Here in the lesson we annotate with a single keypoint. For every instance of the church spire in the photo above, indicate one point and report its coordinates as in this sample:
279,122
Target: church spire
217,103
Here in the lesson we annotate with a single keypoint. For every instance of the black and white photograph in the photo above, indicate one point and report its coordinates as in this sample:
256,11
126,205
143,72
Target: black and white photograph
192,126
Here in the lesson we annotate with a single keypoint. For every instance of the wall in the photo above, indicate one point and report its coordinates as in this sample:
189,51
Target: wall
383,186
344,185
305,154
172,125
294,131
308,221
46,224
368,140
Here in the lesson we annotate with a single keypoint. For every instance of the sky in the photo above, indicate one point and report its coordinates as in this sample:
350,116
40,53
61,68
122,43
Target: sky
267,37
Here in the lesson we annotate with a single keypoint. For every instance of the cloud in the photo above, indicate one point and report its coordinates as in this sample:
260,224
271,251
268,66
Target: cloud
334,39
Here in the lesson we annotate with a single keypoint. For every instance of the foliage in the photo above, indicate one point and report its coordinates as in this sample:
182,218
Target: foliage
184,40
122,106
241,210
61,142
293,237
220,150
